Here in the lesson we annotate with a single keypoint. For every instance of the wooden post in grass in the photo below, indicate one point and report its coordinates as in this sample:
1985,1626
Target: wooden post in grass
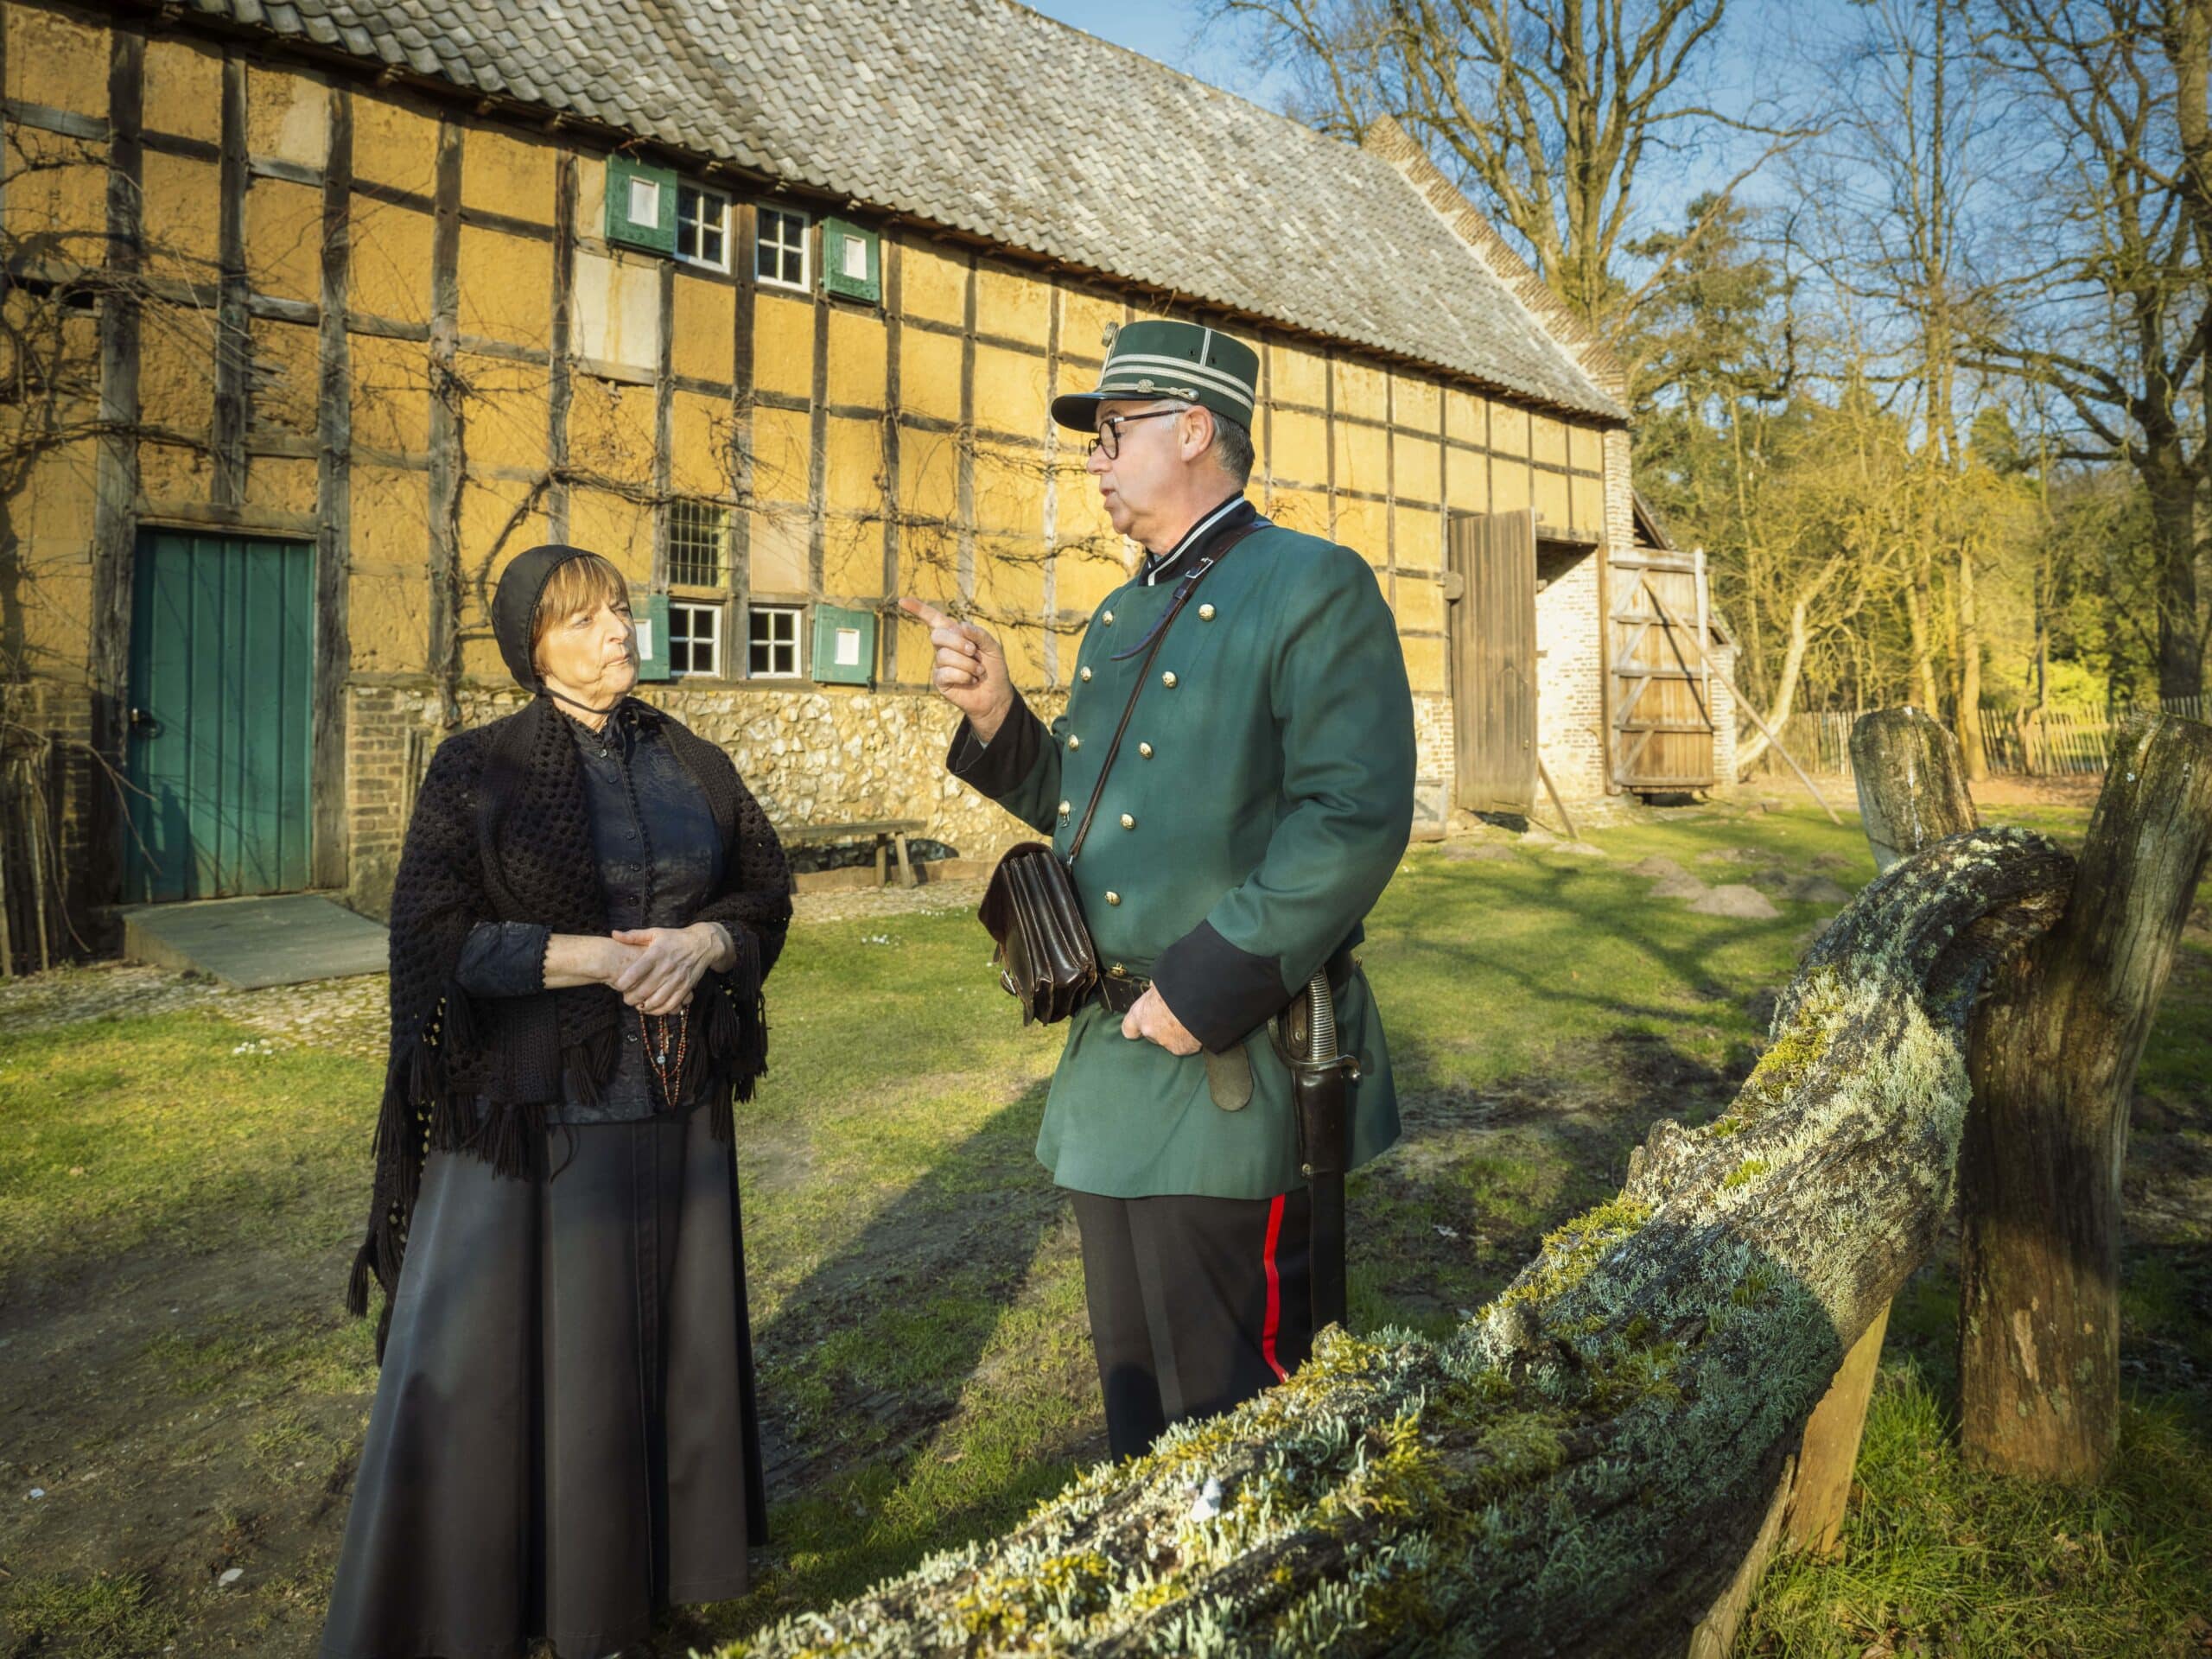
1912,793
2053,1061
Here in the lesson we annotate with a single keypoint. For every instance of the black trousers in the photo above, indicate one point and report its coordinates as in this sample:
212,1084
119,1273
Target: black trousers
1196,1304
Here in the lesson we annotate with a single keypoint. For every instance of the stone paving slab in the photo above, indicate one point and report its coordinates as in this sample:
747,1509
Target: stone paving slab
291,939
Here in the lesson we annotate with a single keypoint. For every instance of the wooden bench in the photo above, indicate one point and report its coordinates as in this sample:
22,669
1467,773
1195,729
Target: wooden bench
887,833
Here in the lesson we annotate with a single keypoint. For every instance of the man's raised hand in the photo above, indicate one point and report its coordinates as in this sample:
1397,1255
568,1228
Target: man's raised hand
971,669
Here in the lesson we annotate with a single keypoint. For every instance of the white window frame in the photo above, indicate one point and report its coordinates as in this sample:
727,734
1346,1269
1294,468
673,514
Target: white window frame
711,608
797,616
700,193
805,245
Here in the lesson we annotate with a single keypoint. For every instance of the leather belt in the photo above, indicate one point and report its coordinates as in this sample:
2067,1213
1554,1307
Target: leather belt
1118,993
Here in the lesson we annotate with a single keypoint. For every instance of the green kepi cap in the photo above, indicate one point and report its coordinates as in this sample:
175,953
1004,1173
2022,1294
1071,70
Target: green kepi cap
1170,360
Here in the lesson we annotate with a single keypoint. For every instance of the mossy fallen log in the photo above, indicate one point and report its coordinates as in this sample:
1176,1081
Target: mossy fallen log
1580,1467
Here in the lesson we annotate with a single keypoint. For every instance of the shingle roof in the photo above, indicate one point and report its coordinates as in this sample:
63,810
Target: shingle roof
985,117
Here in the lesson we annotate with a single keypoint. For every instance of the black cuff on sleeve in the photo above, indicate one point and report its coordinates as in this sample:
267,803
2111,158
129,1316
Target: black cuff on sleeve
995,768
1220,992
502,959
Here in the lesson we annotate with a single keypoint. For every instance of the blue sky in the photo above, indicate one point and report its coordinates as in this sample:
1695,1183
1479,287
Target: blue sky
1759,48
1169,32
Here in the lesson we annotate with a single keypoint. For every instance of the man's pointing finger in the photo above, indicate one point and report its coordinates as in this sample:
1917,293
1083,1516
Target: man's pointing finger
927,614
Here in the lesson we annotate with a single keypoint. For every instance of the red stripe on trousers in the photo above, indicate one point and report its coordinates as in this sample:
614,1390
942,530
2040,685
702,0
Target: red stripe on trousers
1275,1293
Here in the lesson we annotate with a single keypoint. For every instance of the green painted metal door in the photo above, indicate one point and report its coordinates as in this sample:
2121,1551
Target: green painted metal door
222,661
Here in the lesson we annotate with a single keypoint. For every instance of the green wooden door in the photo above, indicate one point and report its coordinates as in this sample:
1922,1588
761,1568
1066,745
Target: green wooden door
222,649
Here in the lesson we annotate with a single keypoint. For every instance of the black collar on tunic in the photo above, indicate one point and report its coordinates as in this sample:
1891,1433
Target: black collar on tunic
1224,517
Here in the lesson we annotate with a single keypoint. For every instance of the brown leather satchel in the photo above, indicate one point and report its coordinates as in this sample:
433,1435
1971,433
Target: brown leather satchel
1046,957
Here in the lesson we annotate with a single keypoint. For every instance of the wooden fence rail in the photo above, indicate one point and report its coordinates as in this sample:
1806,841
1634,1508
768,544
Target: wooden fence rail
2056,742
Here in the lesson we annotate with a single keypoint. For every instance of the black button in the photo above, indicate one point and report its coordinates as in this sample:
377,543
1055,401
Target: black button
630,1037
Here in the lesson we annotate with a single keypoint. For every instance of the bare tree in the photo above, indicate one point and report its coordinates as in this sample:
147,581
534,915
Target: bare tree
2118,318
1550,110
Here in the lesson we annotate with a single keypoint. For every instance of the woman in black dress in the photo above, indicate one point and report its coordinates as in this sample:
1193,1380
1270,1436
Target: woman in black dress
564,1439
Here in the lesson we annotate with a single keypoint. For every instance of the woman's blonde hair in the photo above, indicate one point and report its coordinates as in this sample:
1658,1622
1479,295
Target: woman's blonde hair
583,584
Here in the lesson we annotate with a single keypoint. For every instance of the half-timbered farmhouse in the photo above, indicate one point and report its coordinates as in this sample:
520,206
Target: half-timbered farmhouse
317,312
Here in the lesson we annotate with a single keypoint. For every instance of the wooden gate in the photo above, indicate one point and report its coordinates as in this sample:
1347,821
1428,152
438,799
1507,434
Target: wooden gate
222,652
1662,685
1494,660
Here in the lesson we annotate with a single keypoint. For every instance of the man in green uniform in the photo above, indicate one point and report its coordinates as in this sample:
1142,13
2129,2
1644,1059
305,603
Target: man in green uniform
1260,799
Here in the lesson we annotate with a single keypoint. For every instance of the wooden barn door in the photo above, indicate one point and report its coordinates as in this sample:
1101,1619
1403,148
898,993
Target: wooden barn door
1662,685
222,655
1494,660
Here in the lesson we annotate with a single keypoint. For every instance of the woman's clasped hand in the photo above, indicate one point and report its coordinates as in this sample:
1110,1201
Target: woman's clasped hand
661,966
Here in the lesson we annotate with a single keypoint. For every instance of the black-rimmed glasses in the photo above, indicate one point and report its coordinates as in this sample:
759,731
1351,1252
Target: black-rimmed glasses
1109,431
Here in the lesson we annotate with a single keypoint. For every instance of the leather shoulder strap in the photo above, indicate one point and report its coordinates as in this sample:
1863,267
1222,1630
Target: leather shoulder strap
1184,589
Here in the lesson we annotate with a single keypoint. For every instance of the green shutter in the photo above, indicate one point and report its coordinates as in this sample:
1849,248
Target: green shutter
651,616
644,217
844,646
852,261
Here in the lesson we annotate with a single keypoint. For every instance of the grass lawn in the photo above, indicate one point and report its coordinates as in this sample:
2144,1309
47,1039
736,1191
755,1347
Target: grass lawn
178,1196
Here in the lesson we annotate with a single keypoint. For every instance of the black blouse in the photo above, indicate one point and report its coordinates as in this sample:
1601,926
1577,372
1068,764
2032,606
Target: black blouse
659,857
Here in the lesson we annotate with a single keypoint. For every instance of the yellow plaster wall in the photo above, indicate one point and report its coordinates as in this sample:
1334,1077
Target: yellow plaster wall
55,60
1466,418
1414,402
1010,391
852,559
1415,463
389,274
929,374
1363,458
854,482
177,353
283,483
501,173
1084,319
706,327
1362,393
928,474
699,439
182,217
387,597
283,239
859,354
183,89
395,144
1013,303
504,415
610,430
286,391
286,116
506,288
1425,666
1550,498
1418,536
391,394
783,345
172,474
932,284
616,526
1299,452
780,449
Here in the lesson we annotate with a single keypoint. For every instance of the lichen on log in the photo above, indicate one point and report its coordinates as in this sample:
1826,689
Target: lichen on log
1579,1468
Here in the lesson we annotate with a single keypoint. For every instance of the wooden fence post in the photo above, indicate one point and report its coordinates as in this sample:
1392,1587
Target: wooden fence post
2054,1055
1912,793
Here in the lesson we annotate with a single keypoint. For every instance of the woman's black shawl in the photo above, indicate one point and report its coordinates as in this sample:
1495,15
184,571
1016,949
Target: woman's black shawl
502,832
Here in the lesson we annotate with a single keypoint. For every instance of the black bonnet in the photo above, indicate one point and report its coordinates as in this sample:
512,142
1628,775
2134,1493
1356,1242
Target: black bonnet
514,605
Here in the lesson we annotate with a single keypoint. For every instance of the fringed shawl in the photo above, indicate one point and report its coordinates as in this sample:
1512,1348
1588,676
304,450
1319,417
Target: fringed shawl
502,832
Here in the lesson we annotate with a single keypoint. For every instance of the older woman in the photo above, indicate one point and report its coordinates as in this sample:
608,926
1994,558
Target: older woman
564,1440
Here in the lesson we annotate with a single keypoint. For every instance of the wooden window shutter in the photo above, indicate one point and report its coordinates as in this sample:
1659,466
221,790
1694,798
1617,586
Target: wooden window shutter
852,261
641,205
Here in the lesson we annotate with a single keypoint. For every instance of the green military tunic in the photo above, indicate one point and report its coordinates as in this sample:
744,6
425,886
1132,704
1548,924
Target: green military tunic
1261,801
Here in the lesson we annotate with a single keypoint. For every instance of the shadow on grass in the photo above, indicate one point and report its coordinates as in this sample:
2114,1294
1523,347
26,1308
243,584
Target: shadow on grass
871,1350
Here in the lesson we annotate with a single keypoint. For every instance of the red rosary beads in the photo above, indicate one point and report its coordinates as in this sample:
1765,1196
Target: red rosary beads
671,1077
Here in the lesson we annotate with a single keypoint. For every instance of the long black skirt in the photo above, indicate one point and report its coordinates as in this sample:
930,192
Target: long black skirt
564,1439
